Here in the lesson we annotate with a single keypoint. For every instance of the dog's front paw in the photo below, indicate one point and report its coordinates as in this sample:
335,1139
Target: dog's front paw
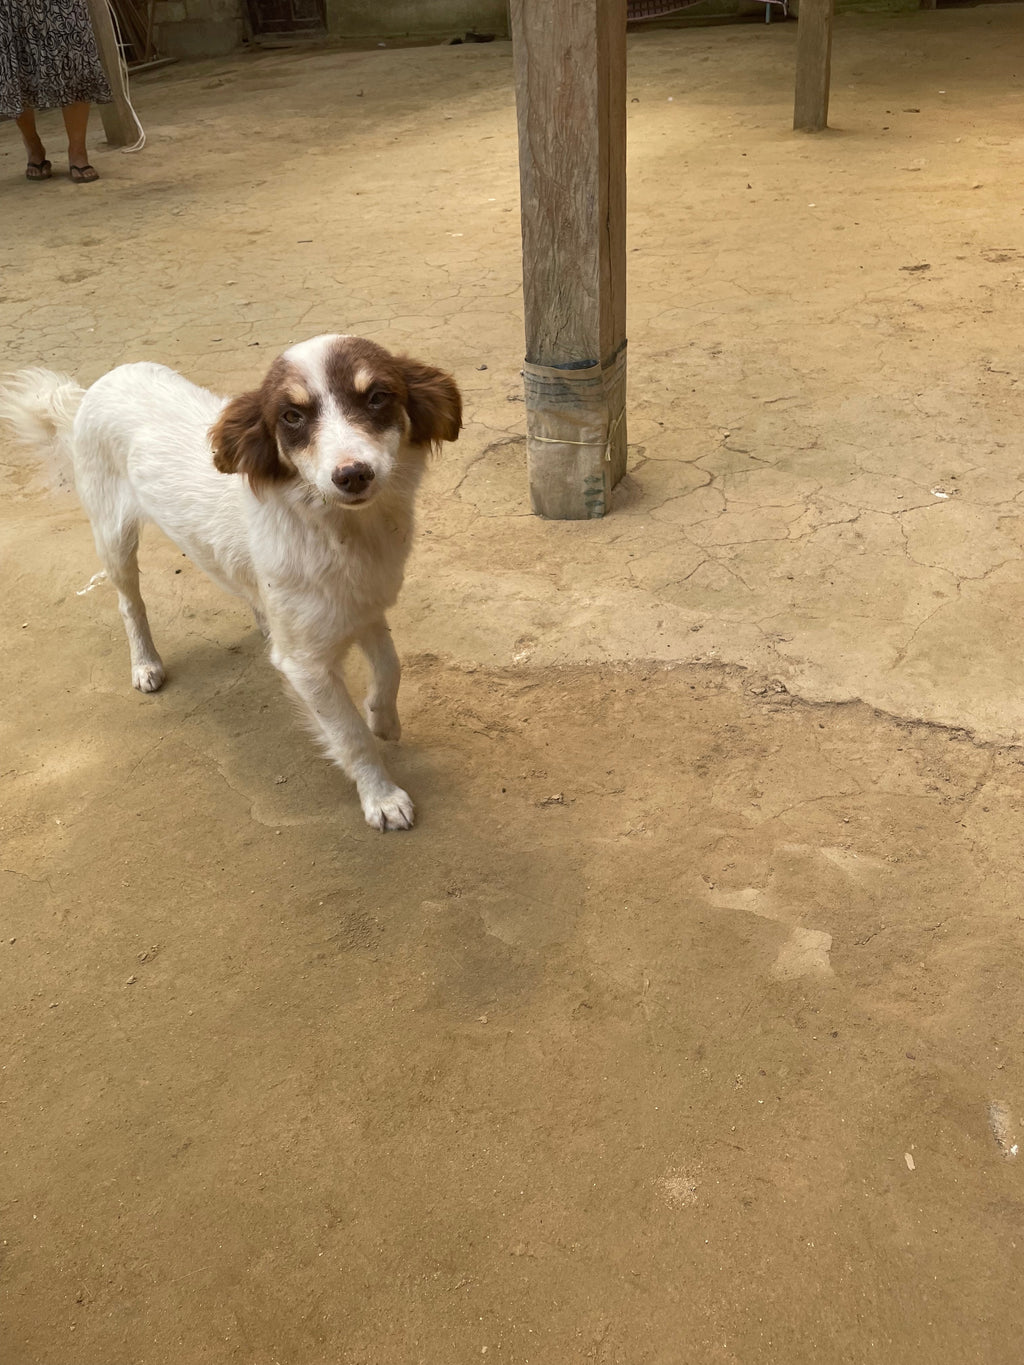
384,723
148,677
388,808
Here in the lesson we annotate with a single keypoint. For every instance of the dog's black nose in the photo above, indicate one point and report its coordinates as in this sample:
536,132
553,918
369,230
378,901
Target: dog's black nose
352,478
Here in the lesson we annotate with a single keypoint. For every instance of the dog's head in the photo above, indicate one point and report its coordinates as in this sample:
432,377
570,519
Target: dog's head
340,414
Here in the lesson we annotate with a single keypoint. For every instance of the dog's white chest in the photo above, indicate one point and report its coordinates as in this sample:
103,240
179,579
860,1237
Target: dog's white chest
335,579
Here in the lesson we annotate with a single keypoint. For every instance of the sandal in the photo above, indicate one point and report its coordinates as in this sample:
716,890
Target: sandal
38,170
83,175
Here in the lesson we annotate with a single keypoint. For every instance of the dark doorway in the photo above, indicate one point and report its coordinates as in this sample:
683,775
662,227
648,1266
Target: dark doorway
287,16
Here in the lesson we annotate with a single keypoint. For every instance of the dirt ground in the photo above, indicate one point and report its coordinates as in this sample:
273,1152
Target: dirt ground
684,1027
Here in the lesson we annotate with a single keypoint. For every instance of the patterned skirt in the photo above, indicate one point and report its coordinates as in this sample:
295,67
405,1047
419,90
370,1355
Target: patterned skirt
48,56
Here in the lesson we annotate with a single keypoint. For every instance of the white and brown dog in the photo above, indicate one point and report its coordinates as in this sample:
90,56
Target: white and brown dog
298,497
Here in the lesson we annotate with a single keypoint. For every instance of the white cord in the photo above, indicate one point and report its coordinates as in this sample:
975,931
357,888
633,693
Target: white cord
138,145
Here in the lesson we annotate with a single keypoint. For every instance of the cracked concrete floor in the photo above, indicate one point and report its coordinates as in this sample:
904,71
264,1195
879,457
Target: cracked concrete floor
683,1026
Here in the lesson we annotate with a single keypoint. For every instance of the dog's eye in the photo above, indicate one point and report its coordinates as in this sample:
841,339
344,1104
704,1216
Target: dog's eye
377,398
292,417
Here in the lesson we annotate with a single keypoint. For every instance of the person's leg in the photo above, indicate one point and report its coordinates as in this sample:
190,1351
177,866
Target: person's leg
76,121
38,167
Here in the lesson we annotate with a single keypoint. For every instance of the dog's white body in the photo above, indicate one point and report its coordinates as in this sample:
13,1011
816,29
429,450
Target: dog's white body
141,452
309,522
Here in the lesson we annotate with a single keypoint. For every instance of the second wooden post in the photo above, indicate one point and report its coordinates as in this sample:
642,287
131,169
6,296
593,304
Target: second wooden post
813,65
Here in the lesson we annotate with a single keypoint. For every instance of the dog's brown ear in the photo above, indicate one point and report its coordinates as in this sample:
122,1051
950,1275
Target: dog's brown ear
434,404
244,444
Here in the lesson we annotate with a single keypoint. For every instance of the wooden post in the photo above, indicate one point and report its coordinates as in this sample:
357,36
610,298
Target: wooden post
813,65
570,71
118,121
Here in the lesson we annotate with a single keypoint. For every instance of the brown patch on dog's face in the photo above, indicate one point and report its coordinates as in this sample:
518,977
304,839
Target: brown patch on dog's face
244,441
372,386
259,432
330,402
291,410
367,383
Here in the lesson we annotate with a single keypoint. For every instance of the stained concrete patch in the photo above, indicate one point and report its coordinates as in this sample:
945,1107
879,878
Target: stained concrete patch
805,953
679,1189
1004,1129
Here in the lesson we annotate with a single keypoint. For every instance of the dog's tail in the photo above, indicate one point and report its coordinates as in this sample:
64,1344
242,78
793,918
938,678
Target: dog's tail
38,408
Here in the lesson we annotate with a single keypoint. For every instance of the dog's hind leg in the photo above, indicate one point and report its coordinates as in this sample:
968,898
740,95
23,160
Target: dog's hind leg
118,548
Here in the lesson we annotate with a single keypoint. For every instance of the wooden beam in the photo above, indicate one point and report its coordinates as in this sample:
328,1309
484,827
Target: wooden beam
119,122
813,65
570,71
